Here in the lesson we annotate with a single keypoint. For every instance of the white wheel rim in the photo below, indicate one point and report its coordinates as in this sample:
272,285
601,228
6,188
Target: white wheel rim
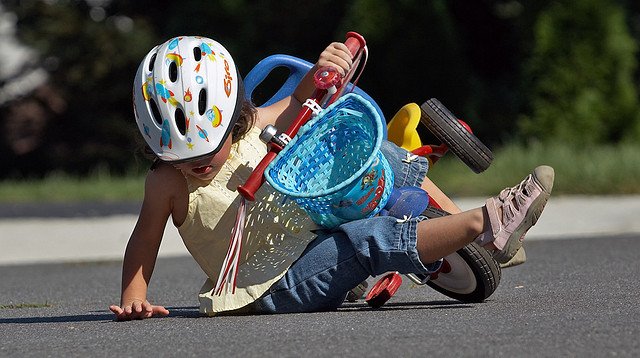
460,279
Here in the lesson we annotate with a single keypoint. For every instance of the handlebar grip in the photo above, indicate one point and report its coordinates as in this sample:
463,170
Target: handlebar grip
256,179
354,42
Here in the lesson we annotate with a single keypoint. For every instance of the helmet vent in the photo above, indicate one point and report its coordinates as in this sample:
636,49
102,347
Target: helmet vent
197,53
181,122
173,71
202,101
155,112
152,61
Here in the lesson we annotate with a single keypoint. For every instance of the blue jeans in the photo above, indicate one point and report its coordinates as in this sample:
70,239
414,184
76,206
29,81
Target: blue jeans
341,258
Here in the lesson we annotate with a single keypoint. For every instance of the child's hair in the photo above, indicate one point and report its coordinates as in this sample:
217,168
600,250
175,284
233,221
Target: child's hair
245,122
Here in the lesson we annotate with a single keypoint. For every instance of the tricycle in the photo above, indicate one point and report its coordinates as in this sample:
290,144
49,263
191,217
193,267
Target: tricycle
345,142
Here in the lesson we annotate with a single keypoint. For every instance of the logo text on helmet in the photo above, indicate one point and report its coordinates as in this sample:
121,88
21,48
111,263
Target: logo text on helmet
227,78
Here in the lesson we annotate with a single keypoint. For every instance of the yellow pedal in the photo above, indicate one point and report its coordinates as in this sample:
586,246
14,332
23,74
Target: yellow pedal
402,129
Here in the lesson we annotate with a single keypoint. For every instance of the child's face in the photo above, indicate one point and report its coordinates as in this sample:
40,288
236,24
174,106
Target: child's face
208,167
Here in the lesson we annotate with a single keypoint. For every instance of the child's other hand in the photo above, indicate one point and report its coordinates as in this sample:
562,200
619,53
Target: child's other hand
336,55
138,310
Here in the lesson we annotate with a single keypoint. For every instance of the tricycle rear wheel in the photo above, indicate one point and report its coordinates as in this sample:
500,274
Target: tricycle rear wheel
461,141
470,274
473,276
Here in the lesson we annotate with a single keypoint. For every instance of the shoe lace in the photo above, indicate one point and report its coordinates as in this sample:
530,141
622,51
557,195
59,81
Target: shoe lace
514,198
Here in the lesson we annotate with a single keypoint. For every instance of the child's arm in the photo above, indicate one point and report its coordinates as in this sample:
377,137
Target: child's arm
142,249
282,113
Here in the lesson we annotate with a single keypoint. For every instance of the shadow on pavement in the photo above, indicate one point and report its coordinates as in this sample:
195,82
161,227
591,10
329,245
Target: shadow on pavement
193,312
181,312
58,319
398,306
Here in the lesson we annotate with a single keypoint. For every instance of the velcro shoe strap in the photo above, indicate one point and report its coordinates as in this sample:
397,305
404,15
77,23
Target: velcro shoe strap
492,235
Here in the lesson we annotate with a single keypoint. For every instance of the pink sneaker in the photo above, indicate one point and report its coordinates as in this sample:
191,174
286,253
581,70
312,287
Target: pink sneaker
520,206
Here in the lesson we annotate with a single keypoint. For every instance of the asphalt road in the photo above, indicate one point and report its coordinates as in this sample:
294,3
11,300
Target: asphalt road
574,297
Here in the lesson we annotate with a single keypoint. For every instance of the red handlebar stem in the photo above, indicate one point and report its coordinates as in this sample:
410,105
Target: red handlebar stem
354,42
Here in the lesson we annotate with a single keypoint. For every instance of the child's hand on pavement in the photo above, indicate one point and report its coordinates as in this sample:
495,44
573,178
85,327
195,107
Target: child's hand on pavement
336,55
138,310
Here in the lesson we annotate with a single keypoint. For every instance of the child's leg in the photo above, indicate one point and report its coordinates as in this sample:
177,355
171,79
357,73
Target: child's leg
439,237
444,228
500,224
446,236
448,205
340,259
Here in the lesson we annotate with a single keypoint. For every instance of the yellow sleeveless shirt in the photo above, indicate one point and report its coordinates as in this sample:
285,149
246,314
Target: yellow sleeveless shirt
276,230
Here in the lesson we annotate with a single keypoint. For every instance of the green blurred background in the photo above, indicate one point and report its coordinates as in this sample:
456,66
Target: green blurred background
524,74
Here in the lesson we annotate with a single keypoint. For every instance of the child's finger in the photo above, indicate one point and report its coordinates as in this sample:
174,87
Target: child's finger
137,306
147,307
116,309
160,310
121,314
342,50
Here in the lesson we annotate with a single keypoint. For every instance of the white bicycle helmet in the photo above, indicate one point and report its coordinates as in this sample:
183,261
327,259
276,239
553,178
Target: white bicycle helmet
187,96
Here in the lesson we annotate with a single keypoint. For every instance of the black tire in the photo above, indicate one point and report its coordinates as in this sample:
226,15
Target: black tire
464,144
474,274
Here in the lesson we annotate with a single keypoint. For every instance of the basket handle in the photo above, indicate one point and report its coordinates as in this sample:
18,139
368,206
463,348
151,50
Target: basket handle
355,43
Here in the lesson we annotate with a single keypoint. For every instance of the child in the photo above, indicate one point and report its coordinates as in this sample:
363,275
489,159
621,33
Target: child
190,108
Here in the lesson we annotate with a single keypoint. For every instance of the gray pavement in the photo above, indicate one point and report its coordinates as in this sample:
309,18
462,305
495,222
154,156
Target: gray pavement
89,232
573,298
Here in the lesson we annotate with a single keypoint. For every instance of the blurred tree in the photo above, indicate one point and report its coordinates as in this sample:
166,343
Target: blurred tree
91,57
27,100
493,39
250,30
582,70
467,54
415,52
470,55
92,49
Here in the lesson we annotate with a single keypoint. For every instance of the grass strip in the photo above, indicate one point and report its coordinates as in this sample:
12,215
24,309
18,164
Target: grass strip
597,170
24,305
65,188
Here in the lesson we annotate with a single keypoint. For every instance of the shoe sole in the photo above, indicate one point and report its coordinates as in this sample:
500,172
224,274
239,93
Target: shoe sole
514,243
518,259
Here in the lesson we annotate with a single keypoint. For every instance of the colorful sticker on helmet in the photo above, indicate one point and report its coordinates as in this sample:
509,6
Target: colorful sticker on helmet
163,91
146,130
227,79
202,133
165,94
189,143
174,43
174,57
207,51
187,96
214,115
165,137
147,88
199,80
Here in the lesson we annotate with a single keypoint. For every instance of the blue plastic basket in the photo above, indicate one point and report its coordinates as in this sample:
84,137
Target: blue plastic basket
334,168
